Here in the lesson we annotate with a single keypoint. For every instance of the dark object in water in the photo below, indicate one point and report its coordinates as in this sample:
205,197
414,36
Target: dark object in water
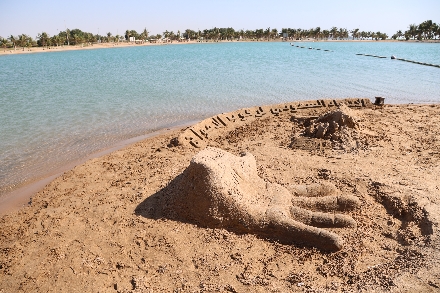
393,57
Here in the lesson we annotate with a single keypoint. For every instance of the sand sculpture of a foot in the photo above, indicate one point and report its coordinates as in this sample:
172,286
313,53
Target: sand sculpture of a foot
219,189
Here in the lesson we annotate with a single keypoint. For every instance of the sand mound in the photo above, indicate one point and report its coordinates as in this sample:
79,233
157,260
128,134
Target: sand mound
219,189
339,126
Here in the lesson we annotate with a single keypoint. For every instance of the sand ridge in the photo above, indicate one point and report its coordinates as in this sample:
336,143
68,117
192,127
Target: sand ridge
83,231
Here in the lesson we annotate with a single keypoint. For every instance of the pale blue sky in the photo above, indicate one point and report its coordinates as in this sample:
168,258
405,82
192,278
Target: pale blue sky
34,16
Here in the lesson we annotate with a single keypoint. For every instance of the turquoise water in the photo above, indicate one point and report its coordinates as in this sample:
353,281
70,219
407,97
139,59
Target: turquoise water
59,107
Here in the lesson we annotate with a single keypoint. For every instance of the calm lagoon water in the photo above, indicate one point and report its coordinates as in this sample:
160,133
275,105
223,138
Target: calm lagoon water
59,107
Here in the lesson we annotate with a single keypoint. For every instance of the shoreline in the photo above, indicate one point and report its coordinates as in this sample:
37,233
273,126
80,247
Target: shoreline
63,48
21,195
112,223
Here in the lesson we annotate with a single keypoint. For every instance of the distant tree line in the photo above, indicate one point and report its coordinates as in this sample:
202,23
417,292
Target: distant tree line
427,30
333,34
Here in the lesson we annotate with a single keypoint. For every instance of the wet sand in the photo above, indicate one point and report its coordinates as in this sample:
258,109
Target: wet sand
21,196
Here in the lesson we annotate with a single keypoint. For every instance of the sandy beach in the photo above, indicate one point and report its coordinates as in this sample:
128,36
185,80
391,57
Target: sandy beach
20,50
112,223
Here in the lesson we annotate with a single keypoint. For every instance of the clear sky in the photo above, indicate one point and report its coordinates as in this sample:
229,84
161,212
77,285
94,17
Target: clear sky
35,16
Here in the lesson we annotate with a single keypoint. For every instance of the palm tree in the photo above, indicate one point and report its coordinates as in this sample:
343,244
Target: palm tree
144,34
188,34
343,33
266,33
14,41
381,36
171,36
317,32
425,29
412,30
92,38
78,39
355,33
241,34
60,39
166,34
4,43
23,40
54,40
215,34
432,30
134,34
30,43
43,39
334,32
259,33
230,33
249,34
274,33
297,33
436,30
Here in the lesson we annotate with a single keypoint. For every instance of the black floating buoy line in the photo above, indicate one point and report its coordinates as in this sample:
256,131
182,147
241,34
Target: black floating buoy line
401,59
415,62
310,48
369,55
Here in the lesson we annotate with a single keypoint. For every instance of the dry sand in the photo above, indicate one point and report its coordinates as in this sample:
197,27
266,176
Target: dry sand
91,229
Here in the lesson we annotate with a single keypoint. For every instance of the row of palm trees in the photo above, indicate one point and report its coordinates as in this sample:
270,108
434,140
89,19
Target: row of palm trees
67,37
423,31
427,30
22,40
333,33
214,34
229,34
